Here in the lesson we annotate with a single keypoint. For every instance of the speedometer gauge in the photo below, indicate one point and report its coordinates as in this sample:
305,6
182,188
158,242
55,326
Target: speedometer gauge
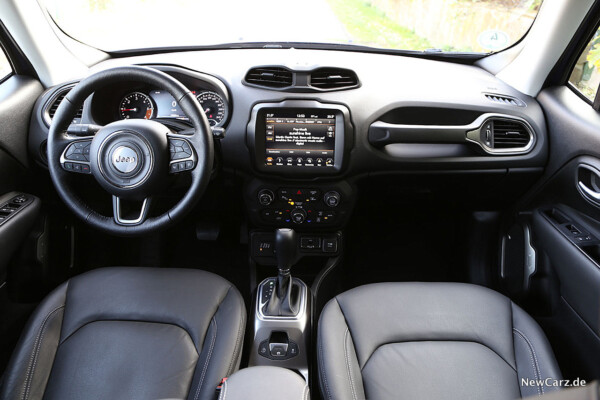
136,105
214,107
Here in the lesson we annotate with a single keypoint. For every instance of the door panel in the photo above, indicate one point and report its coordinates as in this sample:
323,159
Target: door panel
564,215
17,97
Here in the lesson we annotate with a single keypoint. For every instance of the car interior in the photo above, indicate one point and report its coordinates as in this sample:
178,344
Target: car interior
228,201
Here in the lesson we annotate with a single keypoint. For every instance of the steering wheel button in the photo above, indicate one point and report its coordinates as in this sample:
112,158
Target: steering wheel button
77,167
178,156
174,167
68,166
189,164
85,169
77,157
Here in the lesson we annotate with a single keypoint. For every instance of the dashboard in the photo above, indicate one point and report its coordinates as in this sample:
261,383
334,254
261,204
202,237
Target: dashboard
305,127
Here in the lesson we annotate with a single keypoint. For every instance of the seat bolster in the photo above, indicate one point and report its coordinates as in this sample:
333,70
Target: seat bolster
338,380
534,356
222,346
27,373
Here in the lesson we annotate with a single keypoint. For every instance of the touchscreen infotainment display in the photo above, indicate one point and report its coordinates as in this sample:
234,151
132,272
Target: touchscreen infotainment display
300,139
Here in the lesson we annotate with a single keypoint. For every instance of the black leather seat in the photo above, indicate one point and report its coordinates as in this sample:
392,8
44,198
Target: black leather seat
430,341
130,333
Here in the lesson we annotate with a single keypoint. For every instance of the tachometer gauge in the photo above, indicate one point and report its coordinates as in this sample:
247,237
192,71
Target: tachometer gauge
214,107
136,105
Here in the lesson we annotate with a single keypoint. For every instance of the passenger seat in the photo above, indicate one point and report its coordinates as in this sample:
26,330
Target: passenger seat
431,341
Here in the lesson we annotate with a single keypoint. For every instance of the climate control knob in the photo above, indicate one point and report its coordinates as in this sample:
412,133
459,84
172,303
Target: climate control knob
298,215
265,197
332,198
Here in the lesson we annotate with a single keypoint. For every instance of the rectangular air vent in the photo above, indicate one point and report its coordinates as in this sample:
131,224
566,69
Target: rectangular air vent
51,110
275,77
503,99
510,134
333,78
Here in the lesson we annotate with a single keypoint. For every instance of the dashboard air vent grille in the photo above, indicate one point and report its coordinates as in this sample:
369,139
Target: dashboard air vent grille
333,78
56,102
502,99
277,77
510,134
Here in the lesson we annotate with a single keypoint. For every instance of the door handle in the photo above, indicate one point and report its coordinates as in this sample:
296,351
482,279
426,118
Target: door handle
588,183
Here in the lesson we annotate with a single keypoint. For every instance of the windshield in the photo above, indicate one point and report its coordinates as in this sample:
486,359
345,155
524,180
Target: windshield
479,26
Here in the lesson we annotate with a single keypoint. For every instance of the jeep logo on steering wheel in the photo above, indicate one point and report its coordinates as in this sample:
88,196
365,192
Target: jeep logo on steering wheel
125,159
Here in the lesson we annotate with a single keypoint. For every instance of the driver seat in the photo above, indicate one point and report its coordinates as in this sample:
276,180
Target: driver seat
130,333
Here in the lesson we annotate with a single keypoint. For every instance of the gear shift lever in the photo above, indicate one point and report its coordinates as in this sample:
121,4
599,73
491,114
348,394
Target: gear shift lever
285,298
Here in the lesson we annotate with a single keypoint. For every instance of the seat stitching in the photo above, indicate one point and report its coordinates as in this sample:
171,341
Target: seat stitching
322,370
237,341
210,351
35,352
348,363
534,361
438,340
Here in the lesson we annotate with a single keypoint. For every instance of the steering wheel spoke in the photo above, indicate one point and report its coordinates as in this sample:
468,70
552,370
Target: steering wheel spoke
132,217
182,155
76,155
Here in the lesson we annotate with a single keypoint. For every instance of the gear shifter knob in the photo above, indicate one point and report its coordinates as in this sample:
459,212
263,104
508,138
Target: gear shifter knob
286,249
285,299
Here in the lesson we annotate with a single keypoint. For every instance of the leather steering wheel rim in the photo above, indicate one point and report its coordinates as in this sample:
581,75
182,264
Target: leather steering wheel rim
201,140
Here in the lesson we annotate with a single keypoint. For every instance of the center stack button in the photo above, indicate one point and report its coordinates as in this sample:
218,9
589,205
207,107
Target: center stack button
298,215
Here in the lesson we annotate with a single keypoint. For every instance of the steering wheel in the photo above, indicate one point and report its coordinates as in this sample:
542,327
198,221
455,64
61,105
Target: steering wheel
131,159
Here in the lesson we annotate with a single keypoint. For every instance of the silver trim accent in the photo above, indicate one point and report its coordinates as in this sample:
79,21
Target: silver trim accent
117,212
589,194
530,261
298,329
260,304
530,256
474,136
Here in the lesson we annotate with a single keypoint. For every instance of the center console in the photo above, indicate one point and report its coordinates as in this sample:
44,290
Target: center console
297,203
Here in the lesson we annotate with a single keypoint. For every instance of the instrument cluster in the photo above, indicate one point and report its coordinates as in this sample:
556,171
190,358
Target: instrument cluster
157,103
